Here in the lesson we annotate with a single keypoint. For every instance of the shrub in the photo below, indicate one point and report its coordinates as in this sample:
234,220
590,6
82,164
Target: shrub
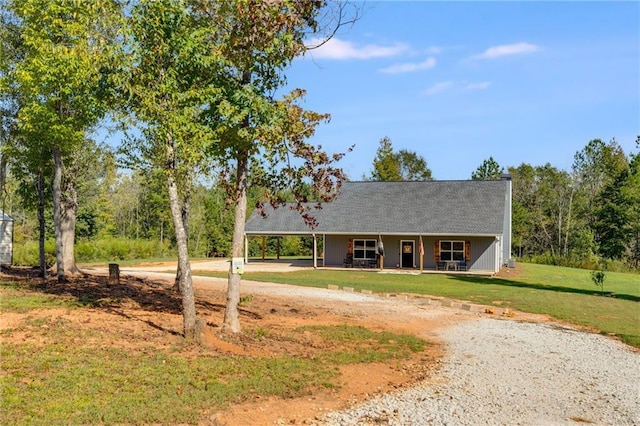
589,263
598,279
104,249
27,253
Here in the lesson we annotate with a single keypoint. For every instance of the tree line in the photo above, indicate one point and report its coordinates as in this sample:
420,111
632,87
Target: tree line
588,216
582,217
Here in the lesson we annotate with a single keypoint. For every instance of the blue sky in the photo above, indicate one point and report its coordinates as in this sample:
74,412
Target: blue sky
458,82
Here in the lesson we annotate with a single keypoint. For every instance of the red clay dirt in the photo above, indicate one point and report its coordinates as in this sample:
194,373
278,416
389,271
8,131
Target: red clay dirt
138,313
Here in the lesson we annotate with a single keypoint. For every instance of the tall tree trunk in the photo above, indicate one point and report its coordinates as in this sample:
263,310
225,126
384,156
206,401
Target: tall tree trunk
57,212
189,319
569,213
231,314
69,208
41,225
184,212
559,229
3,178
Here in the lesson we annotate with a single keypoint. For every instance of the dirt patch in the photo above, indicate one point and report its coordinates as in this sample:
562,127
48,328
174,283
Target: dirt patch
139,313
507,273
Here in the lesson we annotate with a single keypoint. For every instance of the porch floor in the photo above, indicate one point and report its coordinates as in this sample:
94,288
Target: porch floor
258,264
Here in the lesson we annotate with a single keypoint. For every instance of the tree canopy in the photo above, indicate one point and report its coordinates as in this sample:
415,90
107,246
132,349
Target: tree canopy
488,170
200,85
404,165
54,71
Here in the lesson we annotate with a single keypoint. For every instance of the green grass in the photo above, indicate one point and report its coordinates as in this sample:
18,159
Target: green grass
60,384
23,301
64,373
373,347
567,294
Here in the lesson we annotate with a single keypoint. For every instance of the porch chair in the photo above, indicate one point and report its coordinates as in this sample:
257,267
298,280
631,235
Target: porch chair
347,262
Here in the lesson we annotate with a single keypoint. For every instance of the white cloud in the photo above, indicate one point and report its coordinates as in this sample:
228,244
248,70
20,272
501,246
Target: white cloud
434,50
439,87
339,49
507,50
456,86
410,67
477,86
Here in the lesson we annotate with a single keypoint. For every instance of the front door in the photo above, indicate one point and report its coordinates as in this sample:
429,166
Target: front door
407,259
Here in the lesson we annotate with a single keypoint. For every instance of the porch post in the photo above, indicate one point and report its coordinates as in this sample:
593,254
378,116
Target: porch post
315,252
246,249
381,252
278,247
264,243
324,248
421,253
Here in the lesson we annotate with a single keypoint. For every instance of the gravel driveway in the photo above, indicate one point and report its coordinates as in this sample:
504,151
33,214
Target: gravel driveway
502,372
495,372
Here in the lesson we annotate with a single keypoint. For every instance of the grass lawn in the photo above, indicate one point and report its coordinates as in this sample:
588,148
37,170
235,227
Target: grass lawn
565,293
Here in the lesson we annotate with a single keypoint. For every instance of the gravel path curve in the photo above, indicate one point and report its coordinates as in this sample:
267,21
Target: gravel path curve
502,372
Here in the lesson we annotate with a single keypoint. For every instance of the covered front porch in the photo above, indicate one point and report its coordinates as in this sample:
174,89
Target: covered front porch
273,264
448,253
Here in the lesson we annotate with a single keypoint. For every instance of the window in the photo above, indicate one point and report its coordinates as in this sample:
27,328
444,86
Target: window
452,250
364,249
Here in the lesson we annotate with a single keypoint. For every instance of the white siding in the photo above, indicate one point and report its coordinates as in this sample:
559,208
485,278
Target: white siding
6,240
484,250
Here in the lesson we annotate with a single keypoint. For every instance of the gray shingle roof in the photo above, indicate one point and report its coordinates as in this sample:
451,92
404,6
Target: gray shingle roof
426,208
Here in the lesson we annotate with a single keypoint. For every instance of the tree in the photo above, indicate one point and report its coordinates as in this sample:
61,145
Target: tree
541,199
386,167
173,72
553,199
9,56
201,89
261,139
595,166
60,80
612,219
404,165
599,169
412,166
488,170
33,172
630,192
28,166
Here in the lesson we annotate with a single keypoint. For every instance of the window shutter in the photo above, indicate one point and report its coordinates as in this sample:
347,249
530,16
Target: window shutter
467,251
436,251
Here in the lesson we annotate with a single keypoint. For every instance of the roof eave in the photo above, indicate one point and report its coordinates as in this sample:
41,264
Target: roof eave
390,234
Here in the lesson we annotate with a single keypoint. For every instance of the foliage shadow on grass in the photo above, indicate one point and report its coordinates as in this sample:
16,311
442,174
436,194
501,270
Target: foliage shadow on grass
96,292
509,283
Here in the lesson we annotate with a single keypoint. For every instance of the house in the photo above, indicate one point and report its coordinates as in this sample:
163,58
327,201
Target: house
6,239
450,225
